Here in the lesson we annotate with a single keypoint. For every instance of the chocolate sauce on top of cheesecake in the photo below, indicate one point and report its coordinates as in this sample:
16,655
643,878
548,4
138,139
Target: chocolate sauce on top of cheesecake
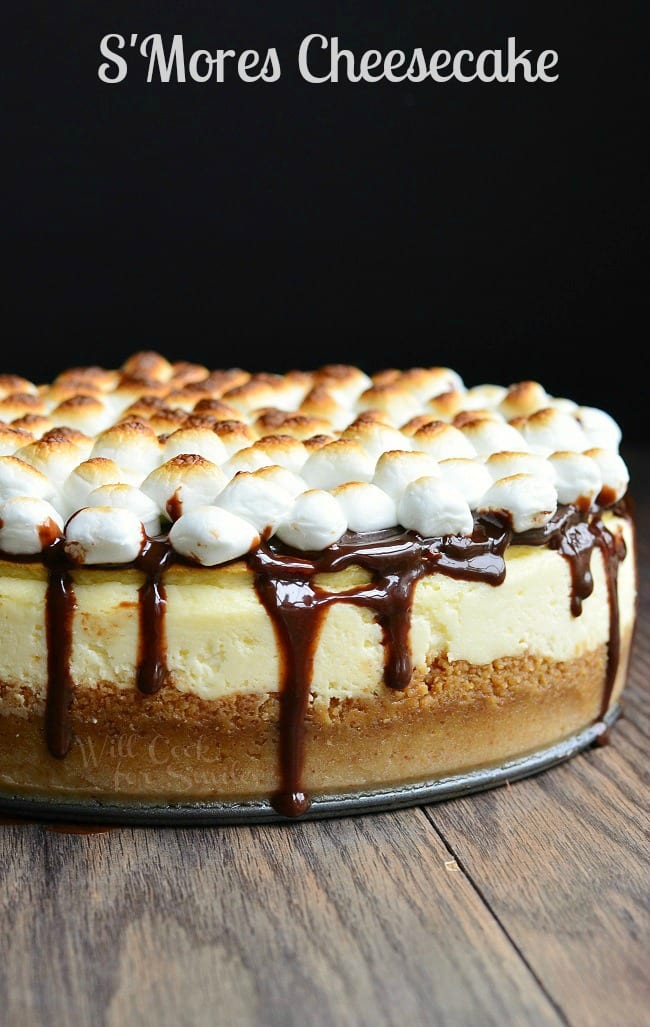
286,583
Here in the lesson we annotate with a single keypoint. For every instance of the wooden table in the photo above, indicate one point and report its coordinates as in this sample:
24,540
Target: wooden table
524,905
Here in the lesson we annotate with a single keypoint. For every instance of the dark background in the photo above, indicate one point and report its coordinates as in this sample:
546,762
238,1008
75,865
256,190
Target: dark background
497,229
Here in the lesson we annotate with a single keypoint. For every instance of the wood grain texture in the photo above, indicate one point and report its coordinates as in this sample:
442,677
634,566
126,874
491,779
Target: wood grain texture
356,921
525,906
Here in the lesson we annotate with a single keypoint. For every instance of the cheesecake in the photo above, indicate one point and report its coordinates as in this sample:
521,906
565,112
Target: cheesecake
224,586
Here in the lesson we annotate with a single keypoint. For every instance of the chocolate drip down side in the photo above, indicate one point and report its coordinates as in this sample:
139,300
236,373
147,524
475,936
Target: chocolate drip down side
60,604
614,551
151,672
575,536
296,610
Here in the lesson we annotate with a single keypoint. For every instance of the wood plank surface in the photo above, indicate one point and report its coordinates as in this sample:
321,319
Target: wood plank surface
524,906
562,861
356,921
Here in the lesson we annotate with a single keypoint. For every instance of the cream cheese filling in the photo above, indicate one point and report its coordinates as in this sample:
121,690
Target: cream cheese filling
221,641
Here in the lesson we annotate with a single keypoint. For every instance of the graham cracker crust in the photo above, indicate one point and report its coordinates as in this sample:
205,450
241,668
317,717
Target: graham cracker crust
174,746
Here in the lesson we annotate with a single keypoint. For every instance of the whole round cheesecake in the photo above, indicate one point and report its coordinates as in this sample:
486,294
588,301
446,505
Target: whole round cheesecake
219,585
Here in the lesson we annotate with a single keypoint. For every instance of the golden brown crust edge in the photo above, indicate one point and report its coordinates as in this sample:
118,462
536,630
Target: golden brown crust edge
175,747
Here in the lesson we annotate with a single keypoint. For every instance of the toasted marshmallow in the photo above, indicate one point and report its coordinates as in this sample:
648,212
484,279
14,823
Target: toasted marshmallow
54,395
371,416
502,465
484,397
17,404
13,439
315,442
395,400
614,473
195,420
600,429
152,409
28,525
298,426
283,450
399,467
216,407
104,534
427,382
202,441
102,378
302,381
335,463
315,521
187,397
186,373
85,478
522,399
18,478
11,384
320,403
132,444
434,508
65,433
132,390
366,507
265,390
567,406
234,435
55,454
261,502
251,458
445,406
578,478
183,483
376,438
489,436
386,375
287,480
220,381
470,477
165,420
86,413
470,417
210,535
148,364
143,407
442,441
343,381
36,424
525,500
549,430
410,427
128,497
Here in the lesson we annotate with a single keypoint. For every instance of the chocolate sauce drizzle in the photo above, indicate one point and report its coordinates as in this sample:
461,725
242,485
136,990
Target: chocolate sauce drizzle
60,605
395,560
151,672
575,537
287,586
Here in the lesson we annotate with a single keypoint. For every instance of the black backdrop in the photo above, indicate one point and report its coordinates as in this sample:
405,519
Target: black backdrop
498,229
